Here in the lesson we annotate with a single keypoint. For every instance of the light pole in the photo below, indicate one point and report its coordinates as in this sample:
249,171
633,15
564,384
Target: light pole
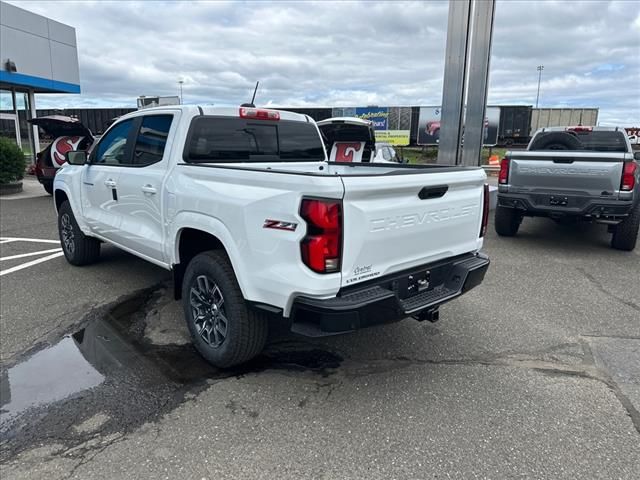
539,68
180,82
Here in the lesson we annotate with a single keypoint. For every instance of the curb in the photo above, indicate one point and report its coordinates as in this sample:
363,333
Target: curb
10,188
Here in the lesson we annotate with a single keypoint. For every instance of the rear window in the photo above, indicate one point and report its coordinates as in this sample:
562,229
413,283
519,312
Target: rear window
224,139
596,141
600,141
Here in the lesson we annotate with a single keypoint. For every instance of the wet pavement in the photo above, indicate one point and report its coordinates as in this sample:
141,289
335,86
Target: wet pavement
534,374
109,368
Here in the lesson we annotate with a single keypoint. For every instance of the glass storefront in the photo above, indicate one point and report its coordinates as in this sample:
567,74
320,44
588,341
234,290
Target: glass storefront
15,111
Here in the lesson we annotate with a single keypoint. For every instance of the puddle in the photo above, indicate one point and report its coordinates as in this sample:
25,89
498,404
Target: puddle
111,370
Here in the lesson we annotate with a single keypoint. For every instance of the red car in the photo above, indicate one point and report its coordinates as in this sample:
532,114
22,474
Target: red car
66,134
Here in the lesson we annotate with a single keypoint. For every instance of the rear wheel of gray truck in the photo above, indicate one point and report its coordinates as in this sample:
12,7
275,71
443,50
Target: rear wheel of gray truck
625,234
507,221
223,328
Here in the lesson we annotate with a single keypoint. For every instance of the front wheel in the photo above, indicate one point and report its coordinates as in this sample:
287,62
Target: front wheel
223,329
507,221
78,249
625,234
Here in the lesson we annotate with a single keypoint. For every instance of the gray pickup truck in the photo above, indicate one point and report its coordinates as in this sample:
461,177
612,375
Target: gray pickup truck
570,174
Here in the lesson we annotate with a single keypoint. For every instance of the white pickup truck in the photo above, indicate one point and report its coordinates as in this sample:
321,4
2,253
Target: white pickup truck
256,225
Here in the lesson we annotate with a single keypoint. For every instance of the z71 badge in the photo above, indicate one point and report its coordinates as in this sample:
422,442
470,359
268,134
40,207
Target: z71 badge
280,225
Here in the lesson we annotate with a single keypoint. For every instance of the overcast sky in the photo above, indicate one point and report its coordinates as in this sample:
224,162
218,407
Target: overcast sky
347,53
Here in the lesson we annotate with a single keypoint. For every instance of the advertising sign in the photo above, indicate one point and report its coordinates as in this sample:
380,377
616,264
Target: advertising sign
429,126
393,137
391,124
379,116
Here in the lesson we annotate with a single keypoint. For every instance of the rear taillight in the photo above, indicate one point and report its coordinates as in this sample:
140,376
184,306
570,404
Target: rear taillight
321,247
485,211
628,176
259,114
503,176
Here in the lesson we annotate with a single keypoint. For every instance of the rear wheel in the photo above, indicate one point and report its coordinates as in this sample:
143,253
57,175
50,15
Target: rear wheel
48,187
223,329
78,249
507,221
625,234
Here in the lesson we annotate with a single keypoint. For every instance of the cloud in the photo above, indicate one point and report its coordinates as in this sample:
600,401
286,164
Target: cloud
347,53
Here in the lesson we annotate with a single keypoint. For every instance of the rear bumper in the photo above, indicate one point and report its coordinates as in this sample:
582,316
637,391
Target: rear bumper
387,299
576,205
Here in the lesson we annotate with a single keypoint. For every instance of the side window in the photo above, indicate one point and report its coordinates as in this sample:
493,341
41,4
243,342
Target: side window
385,153
112,149
151,139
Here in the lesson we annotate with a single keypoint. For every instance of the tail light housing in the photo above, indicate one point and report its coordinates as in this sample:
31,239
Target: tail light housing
503,176
485,211
321,248
628,176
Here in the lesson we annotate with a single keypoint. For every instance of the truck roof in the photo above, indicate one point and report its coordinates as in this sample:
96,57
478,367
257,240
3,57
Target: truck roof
571,127
195,110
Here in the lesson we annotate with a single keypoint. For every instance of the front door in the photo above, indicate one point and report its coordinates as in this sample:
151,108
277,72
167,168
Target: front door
100,180
140,186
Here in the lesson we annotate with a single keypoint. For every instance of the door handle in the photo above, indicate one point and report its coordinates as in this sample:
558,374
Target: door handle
110,183
149,189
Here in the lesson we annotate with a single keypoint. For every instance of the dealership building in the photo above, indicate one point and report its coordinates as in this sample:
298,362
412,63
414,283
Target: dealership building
37,55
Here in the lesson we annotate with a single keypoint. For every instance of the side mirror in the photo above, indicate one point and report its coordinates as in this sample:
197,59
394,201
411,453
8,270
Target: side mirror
636,156
76,157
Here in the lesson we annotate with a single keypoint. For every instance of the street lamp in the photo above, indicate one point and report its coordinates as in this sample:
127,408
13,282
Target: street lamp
539,68
180,82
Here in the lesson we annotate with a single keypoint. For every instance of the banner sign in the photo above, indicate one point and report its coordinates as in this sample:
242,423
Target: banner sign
379,116
392,125
429,126
397,138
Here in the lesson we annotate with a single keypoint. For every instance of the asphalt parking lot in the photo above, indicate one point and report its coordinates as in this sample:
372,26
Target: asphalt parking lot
534,374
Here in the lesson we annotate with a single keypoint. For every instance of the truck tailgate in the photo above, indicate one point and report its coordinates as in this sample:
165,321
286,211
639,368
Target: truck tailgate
397,222
592,174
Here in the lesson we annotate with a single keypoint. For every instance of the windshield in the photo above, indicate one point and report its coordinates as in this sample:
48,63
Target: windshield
220,139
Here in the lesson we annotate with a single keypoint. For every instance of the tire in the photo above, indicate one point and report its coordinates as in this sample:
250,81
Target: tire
625,234
223,329
556,141
507,221
48,187
78,248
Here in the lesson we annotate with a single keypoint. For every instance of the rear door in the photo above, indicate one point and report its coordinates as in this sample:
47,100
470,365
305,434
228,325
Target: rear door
396,222
140,192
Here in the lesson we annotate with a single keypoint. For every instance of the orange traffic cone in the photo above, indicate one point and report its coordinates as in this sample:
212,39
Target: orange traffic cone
494,160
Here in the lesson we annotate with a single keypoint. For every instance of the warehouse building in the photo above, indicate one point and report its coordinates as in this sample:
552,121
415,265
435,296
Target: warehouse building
37,55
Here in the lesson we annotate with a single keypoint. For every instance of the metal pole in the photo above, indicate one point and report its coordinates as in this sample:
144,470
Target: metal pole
455,74
180,82
540,68
34,114
478,80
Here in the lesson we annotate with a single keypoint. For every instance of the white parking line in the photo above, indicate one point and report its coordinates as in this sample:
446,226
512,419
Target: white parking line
35,240
30,264
30,254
